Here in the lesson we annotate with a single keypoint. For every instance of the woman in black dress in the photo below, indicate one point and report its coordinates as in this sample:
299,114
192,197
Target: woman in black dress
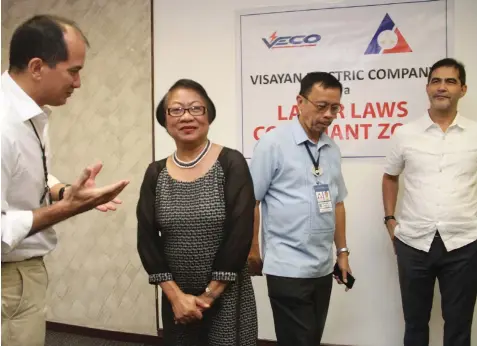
195,227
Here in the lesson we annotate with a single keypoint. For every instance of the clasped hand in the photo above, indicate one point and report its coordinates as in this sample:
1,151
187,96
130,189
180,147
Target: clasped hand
188,308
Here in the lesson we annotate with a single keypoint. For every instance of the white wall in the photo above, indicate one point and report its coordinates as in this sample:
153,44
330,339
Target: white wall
196,39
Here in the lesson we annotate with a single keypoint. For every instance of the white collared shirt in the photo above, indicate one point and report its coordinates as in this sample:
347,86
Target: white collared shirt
23,178
440,182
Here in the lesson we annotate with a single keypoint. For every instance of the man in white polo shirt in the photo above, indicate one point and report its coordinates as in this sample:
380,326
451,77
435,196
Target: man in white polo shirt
435,235
46,56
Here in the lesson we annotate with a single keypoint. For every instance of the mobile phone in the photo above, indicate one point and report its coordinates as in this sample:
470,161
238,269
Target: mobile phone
350,278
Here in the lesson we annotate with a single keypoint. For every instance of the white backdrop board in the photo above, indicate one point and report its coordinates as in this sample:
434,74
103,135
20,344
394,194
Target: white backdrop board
381,53
197,40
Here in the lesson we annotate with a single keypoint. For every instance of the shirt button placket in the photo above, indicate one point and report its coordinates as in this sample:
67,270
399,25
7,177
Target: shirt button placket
442,151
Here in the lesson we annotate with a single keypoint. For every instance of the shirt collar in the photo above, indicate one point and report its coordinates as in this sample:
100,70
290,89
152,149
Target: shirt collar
23,104
459,121
301,137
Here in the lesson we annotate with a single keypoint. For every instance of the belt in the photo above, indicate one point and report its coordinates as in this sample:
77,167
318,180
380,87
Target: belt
32,259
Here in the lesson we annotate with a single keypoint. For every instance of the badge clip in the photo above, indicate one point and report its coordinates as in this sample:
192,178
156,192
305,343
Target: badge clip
316,171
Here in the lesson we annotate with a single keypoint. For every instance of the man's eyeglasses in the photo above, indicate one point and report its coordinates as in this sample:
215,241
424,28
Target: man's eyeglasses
180,111
322,107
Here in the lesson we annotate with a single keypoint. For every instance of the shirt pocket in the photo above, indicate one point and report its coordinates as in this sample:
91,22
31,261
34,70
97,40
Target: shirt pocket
323,222
465,162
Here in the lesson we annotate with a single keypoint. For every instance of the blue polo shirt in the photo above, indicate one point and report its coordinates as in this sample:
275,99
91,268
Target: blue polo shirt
297,240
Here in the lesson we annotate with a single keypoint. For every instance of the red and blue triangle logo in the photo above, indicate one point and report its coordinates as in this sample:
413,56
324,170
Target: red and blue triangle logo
388,39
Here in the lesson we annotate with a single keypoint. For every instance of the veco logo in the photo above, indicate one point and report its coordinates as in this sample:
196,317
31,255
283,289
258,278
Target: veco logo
388,39
291,41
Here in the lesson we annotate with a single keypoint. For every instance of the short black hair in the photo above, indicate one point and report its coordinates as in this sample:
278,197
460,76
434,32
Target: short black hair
41,36
185,84
449,62
325,79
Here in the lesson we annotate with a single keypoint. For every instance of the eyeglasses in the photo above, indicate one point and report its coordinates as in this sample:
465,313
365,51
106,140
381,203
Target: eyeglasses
322,107
180,111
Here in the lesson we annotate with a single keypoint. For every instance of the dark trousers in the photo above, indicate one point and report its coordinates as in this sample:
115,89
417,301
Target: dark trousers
300,307
456,272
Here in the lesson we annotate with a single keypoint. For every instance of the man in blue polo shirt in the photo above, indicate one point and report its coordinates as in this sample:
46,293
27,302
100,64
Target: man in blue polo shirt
296,171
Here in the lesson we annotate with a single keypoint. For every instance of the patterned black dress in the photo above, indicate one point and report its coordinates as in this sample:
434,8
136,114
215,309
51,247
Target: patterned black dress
195,232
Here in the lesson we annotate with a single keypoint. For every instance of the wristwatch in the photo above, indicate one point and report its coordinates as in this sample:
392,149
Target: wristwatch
61,193
389,217
343,249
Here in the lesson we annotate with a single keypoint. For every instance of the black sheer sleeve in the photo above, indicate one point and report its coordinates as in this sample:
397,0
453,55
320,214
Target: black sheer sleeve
240,203
149,242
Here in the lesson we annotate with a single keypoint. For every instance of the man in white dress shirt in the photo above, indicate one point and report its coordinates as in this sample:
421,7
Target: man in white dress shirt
435,235
46,56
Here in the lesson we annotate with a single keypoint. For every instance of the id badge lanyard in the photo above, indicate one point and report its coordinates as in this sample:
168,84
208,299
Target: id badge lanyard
322,191
316,169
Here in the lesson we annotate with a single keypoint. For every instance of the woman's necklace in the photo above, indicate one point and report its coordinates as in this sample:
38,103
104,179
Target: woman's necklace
194,162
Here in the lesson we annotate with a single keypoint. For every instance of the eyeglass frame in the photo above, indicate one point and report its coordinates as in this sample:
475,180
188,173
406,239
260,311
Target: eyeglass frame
184,109
328,105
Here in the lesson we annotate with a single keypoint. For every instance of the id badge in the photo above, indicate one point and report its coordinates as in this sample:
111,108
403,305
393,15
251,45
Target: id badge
323,198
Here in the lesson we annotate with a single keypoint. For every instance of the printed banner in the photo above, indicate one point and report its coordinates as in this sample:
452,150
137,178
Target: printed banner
381,54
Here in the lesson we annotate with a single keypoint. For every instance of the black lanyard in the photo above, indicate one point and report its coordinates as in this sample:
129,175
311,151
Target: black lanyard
316,163
45,168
